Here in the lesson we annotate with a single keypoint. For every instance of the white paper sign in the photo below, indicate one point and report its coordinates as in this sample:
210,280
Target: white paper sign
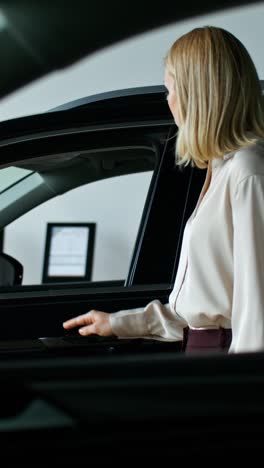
68,251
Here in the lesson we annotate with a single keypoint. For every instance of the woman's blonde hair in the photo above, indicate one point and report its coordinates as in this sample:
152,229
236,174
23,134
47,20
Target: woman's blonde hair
218,95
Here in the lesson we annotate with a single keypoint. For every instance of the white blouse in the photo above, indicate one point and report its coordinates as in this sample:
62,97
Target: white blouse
220,278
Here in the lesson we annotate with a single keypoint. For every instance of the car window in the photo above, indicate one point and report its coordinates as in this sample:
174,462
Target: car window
12,175
106,191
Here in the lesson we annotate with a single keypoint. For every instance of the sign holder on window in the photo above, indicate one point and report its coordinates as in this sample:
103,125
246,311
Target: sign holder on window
68,254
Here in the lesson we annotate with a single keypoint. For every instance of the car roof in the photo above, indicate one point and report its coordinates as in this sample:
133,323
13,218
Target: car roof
106,96
140,104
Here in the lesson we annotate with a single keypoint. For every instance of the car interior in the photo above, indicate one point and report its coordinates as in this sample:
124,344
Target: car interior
53,175
56,174
11,271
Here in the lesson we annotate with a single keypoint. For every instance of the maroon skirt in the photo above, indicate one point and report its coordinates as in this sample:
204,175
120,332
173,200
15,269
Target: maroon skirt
206,341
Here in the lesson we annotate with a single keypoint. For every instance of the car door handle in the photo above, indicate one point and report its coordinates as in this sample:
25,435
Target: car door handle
39,414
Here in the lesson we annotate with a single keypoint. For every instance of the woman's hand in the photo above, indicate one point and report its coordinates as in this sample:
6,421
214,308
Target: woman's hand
94,322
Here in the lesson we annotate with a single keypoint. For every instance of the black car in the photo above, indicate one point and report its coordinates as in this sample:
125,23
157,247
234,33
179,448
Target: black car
70,399
86,387
52,155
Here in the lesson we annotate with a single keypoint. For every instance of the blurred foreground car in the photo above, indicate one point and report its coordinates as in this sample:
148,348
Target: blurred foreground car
74,399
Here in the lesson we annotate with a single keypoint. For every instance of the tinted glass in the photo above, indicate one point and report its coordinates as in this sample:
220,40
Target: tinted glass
113,204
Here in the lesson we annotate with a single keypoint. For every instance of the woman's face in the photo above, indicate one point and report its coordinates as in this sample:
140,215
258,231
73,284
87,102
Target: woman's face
171,98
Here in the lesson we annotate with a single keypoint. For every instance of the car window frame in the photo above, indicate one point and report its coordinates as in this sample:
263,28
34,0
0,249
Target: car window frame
18,290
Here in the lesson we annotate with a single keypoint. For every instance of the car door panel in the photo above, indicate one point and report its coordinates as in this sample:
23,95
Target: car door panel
40,311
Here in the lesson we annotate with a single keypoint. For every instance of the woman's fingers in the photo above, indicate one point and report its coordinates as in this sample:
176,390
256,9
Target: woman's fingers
93,322
88,330
80,320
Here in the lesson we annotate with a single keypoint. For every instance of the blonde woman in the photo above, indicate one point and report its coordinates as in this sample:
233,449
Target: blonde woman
217,303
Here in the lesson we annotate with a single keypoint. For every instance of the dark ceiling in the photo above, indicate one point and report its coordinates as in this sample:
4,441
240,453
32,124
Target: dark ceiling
40,36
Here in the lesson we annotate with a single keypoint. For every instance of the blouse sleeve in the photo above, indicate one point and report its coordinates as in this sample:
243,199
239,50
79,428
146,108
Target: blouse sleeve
248,249
154,321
